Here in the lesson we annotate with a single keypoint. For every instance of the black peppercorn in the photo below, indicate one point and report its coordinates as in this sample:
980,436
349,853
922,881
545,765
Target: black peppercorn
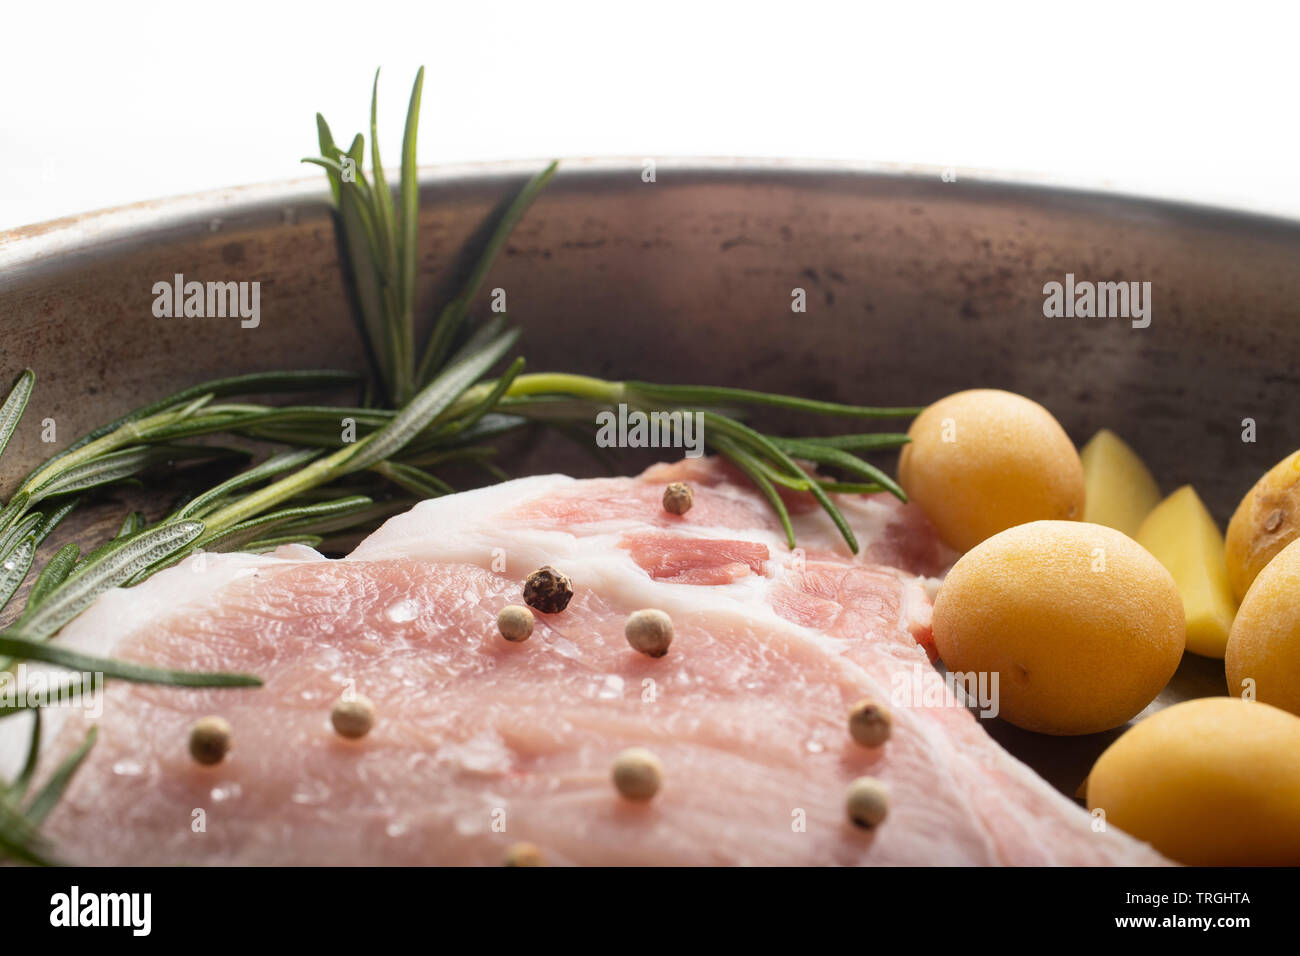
548,590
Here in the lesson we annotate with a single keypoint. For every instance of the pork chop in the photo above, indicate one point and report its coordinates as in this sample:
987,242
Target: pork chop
480,743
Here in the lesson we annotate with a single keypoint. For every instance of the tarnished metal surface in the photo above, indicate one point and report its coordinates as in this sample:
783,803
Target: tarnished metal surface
915,288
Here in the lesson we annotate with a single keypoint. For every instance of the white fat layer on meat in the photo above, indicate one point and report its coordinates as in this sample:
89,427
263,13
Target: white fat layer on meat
468,529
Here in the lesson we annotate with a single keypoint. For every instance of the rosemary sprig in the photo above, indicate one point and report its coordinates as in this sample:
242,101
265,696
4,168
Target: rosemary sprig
440,410
380,241
452,317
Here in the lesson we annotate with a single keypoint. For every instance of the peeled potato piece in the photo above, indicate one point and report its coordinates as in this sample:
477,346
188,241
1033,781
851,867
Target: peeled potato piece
1120,491
1183,536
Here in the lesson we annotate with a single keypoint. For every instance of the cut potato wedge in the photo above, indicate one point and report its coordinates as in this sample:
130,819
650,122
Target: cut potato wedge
1120,489
1183,536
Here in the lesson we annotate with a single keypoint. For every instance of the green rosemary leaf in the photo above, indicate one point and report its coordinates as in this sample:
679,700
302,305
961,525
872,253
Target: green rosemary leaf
328,415
466,421
250,384
383,202
321,427
108,570
328,150
793,476
754,440
192,407
780,477
451,317
24,648
837,516
132,523
443,456
332,166
263,545
355,178
825,455
364,259
488,331
234,537
364,517
22,529
48,797
490,426
710,395
95,554
869,441
24,778
819,494
753,470
198,506
309,437
851,487
114,466
54,573
417,482
399,381
357,151
410,227
428,404
18,838
14,511
14,406
54,518
166,427
14,567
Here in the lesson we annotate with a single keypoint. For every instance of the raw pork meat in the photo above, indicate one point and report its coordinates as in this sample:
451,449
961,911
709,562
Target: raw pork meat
480,743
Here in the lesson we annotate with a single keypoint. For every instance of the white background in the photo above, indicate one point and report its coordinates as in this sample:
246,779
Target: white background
109,103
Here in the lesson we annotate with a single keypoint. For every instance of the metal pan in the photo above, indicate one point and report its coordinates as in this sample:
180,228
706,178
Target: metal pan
915,287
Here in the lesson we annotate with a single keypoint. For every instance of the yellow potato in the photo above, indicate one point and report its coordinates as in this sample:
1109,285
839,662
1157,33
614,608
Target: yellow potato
1120,491
1081,625
1266,521
984,460
1264,646
1183,536
1209,782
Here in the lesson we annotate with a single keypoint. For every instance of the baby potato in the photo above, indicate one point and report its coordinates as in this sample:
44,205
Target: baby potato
1082,626
1264,645
1266,521
985,460
1119,489
1184,538
1207,782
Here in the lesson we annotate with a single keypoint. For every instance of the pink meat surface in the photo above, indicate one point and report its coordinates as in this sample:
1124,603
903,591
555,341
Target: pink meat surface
480,743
